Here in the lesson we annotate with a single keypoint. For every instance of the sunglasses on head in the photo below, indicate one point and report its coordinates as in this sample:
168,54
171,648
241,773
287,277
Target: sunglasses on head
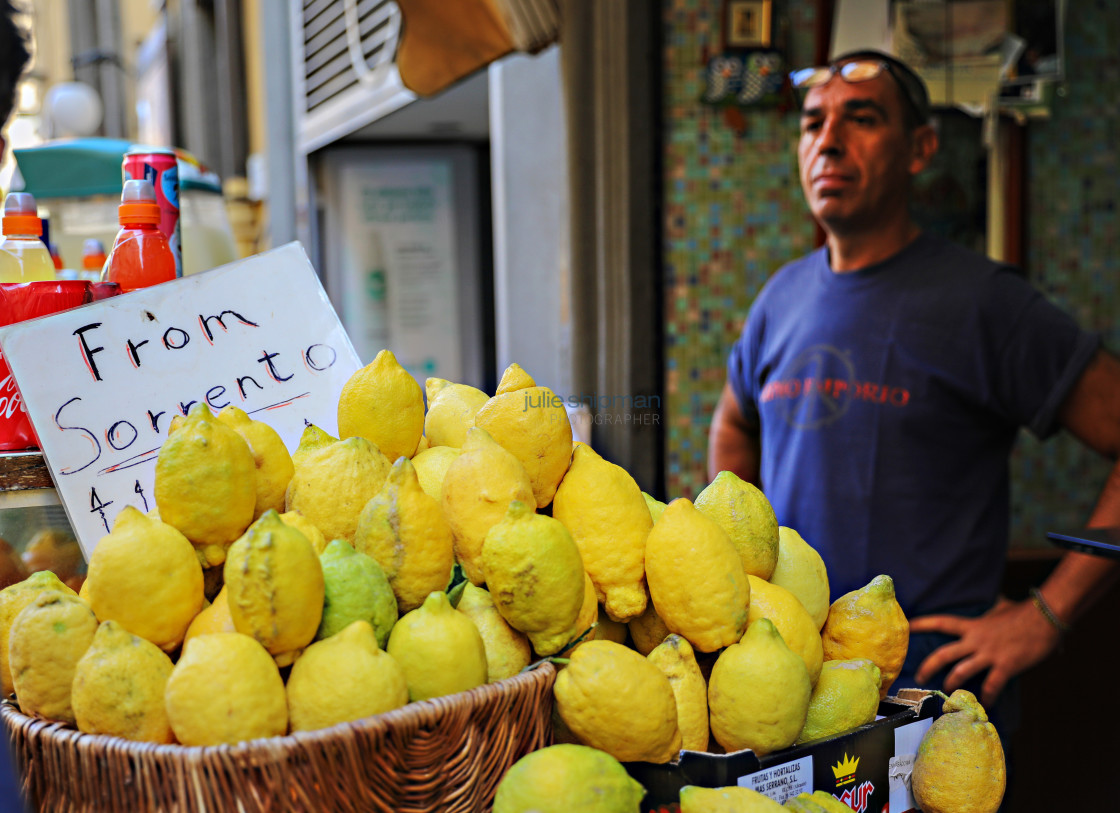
854,72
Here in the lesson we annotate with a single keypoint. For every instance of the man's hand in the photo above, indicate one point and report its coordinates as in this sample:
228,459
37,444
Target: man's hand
1007,640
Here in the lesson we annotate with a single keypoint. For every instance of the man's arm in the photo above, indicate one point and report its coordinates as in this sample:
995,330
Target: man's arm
1012,637
733,441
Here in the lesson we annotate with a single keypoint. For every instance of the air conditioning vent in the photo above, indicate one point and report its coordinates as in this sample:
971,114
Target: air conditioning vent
346,43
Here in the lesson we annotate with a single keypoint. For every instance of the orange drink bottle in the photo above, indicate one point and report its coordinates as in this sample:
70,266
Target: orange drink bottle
141,255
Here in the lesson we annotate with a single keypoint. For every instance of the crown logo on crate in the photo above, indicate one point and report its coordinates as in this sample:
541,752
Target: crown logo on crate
845,770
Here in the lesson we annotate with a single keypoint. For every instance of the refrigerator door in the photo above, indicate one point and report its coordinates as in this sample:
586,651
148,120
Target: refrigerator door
401,237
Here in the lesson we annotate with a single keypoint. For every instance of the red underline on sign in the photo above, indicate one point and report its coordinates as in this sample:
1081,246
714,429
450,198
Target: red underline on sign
135,460
278,405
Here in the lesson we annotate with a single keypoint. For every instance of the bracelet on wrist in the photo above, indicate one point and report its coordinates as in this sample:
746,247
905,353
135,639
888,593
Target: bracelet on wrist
1047,612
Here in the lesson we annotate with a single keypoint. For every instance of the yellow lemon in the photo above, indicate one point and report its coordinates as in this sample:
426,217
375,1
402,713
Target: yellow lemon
792,620
13,599
585,626
801,570
647,630
307,528
206,483
404,531
274,586
533,426
819,801
696,579
868,623
610,630
225,689
514,378
431,467
603,508
656,507
758,692
384,404
47,640
439,648
675,658
332,485
451,411
507,650
356,589
214,618
535,575
145,575
312,439
846,696
270,456
960,766
726,800
613,699
119,685
564,778
748,518
343,678
477,490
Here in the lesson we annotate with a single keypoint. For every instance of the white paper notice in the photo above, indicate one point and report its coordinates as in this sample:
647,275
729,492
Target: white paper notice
906,741
102,382
782,782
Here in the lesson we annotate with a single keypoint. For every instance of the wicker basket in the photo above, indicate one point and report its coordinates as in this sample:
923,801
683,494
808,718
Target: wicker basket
446,754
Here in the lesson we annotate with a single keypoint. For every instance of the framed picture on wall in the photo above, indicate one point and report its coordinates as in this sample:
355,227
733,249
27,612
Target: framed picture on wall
748,23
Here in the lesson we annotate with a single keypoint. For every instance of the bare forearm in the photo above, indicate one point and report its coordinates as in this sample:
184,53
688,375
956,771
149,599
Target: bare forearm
730,450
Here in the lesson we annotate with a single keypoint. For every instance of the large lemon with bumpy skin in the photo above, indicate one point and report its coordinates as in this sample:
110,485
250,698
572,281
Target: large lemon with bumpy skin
514,377
404,531
451,411
270,456
206,482
332,485
213,618
119,686
564,778
726,800
868,623
748,518
792,620
274,585
13,599
535,576
607,515
507,650
477,490
758,692
225,689
356,589
696,579
384,404
846,696
48,638
312,439
960,766
675,658
533,426
801,571
613,699
431,466
343,678
439,648
145,575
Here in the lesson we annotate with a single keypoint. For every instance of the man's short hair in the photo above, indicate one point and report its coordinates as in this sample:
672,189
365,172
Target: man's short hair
13,58
915,95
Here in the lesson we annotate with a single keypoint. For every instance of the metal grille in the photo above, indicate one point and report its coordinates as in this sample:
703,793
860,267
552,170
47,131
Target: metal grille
346,43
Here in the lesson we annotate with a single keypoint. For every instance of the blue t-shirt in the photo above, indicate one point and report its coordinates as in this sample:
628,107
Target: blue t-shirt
889,399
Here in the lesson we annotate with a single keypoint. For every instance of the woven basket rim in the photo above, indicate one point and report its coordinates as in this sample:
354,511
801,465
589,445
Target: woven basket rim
12,716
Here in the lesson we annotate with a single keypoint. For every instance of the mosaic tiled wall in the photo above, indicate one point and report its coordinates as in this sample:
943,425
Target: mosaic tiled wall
734,214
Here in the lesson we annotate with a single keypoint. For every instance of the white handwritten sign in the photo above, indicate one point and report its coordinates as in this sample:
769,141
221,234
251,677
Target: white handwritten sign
102,382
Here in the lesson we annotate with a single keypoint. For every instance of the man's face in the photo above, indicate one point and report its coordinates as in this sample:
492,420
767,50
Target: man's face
856,157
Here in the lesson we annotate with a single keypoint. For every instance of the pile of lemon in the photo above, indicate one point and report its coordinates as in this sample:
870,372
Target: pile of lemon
271,592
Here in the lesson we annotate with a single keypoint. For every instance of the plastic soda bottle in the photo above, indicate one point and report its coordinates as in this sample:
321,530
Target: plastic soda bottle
23,256
141,255
93,260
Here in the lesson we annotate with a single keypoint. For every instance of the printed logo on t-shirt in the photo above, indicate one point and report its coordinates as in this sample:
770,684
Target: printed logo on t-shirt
820,386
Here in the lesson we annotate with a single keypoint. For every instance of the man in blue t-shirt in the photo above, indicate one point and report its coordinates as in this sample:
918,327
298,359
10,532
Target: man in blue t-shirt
880,381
